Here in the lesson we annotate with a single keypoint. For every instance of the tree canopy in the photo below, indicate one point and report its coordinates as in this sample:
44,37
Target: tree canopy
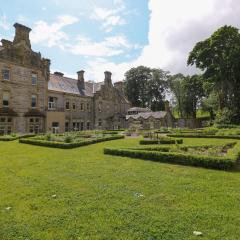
219,58
146,87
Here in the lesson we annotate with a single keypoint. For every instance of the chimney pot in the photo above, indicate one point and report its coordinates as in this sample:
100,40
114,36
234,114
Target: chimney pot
108,78
81,80
59,74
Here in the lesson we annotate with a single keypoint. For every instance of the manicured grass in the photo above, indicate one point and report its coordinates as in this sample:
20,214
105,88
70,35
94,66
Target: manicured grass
106,197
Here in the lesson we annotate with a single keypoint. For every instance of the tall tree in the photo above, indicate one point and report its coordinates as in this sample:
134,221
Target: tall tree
219,58
188,92
146,87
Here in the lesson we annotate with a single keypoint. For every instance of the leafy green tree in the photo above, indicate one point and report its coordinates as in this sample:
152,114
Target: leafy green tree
219,58
188,92
146,87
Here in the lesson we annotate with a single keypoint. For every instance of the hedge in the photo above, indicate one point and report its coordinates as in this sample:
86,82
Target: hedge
204,136
161,141
67,145
9,138
184,147
221,163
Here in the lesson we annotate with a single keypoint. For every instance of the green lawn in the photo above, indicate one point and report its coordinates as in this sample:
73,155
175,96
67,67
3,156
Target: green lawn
105,197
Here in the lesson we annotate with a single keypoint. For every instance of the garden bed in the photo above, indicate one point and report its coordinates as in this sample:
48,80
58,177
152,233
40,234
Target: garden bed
224,157
68,141
13,137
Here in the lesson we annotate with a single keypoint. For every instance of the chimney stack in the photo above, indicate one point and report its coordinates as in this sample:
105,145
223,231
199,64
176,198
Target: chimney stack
108,78
21,34
119,86
59,74
81,81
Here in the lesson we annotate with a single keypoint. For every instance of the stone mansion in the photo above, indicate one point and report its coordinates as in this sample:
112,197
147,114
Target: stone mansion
35,101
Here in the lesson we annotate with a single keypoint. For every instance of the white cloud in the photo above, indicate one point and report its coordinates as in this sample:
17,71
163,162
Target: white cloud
110,17
174,28
4,23
110,46
52,34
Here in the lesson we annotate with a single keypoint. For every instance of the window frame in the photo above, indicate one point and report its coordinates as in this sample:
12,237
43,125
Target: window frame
3,74
32,97
36,81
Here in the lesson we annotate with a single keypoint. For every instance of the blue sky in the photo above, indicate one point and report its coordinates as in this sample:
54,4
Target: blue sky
99,35
72,33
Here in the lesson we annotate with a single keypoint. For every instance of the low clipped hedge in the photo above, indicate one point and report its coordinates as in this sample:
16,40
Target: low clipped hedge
64,145
161,141
221,163
204,136
12,138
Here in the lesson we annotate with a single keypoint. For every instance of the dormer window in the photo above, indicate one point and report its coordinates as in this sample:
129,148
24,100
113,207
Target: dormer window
5,99
6,74
34,79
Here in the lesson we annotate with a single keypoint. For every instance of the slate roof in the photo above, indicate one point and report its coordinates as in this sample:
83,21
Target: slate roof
139,109
146,115
70,85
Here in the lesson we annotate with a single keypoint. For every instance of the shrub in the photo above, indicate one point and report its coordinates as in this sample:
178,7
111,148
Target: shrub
161,141
68,139
221,163
186,135
64,145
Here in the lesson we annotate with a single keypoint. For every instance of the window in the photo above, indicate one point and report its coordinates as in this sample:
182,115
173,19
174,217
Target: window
55,127
88,106
100,107
6,124
66,126
6,74
52,102
74,106
99,122
81,107
34,125
82,126
5,99
34,101
88,125
67,105
34,79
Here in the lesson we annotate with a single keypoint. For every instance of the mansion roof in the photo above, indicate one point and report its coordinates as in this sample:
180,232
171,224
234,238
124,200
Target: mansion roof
70,85
147,115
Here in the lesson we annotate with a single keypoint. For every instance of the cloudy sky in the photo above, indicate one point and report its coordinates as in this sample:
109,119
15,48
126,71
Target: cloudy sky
115,35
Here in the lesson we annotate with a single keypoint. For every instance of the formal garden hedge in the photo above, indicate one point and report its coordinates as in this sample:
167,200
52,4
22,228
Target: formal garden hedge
199,135
15,137
164,155
65,145
161,141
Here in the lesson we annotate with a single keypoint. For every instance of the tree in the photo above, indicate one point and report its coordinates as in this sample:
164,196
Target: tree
136,85
146,87
188,92
176,86
219,58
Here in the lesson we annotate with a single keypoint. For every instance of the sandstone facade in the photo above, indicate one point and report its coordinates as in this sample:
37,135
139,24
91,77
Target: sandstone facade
33,100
